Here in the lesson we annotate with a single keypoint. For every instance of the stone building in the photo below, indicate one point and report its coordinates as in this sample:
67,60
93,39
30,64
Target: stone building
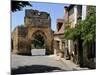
36,29
59,42
72,14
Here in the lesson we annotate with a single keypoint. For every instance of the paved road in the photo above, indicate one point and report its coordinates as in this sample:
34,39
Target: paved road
36,64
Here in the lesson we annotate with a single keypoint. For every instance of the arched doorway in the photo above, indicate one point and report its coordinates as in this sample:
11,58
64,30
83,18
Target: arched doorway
38,41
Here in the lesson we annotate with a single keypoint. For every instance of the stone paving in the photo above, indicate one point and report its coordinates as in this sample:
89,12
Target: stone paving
39,64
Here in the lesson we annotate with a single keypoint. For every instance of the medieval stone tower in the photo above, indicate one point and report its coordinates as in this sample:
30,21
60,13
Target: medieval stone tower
37,27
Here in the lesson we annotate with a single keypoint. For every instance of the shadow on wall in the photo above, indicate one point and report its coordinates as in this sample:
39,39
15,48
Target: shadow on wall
35,69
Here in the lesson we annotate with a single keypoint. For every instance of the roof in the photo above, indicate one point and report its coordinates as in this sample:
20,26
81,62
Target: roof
61,30
69,7
60,20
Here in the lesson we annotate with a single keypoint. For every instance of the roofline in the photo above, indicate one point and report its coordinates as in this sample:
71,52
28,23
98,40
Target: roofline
69,7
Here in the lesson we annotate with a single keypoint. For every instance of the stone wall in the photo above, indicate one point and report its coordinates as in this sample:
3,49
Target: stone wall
46,32
37,18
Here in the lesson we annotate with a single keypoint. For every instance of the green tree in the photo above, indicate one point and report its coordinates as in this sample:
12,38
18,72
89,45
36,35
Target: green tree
89,26
18,5
38,42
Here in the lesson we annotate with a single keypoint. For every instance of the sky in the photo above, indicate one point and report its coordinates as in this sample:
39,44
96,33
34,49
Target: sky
55,10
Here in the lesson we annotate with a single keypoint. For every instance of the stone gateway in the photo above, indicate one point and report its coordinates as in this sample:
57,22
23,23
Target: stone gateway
36,33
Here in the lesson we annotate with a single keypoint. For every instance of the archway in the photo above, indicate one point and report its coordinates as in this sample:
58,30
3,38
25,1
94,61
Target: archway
39,41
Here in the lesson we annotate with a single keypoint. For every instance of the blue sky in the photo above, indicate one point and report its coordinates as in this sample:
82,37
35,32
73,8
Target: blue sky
55,10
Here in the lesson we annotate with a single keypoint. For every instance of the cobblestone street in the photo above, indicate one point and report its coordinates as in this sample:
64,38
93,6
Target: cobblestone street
38,64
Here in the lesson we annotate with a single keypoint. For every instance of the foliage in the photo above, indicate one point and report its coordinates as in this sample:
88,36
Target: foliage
18,5
89,26
85,29
74,33
21,26
38,42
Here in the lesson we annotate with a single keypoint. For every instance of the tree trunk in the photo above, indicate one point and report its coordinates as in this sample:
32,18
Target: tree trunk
80,52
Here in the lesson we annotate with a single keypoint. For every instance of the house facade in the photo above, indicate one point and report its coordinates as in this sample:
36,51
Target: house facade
72,14
59,42
78,54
